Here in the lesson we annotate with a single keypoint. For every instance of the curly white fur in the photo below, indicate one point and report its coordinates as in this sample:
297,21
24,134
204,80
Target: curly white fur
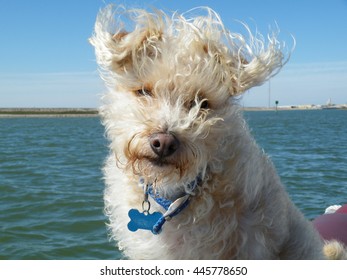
181,75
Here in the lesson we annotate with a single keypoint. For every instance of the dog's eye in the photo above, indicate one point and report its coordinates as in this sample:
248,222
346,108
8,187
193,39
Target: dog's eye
143,92
204,105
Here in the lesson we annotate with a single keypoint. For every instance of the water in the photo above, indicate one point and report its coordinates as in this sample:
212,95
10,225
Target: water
51,189
309,150
51,183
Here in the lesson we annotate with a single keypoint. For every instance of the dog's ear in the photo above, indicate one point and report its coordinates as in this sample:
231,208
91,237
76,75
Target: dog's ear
244,62
121,55
253,61
254,71
121,51
134,49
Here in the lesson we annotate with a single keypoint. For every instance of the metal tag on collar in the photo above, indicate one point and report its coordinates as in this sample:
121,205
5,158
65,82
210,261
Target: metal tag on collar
176,207
146,205
144,220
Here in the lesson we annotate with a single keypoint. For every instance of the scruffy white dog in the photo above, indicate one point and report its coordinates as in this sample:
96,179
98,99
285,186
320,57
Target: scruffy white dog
185,179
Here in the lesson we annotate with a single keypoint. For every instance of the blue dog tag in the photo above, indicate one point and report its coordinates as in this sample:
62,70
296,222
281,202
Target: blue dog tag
143,220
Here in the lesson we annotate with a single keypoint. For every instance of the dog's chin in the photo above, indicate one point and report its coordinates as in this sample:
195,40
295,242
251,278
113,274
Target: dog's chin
168,178
161,166
161,169
159,163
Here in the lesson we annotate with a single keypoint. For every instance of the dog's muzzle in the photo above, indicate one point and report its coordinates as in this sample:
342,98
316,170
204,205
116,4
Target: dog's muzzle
164,144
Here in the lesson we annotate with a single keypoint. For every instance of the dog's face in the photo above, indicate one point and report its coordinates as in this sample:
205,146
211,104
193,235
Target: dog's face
170,108
170,111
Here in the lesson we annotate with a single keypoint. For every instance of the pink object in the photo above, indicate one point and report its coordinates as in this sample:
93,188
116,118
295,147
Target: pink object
342,209
333,226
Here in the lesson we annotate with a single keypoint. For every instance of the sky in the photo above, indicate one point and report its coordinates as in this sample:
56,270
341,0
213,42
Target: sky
46,60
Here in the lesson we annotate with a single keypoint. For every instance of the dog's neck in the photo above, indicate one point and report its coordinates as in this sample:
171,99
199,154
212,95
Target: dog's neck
172,207
172,187
181,190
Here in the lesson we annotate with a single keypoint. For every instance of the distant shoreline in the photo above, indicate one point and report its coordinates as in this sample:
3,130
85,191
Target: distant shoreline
93,112
48,112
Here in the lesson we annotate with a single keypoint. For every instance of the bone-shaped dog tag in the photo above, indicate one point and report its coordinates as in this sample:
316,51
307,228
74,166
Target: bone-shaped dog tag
143,220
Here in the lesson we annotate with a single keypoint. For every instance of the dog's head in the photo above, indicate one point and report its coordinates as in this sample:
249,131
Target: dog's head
170,109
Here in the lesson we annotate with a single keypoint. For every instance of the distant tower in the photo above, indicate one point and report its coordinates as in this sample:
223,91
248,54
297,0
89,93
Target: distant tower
269,101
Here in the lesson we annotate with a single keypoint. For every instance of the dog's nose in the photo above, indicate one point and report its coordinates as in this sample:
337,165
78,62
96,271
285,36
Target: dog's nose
164,144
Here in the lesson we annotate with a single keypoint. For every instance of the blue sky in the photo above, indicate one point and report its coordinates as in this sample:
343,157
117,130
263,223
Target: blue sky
46,60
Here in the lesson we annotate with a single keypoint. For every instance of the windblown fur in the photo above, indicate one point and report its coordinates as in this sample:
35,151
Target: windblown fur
182,75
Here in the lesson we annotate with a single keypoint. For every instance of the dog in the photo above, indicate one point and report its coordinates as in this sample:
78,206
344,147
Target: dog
185,179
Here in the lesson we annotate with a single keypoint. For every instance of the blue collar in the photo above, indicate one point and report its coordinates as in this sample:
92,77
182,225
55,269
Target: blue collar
172,208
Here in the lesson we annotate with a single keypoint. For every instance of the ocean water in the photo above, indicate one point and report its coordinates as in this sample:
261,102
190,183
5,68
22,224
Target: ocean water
309,151
51,204
51,186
